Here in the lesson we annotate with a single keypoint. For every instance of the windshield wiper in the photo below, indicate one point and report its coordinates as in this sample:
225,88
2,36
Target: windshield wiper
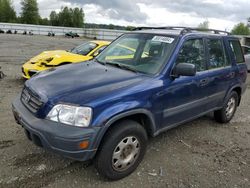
96,60
122,66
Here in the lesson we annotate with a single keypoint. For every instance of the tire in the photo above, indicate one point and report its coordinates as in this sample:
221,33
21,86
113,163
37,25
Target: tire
122,150
225,114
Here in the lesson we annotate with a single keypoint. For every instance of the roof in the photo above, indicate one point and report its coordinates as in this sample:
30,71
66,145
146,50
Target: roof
159,31
172,30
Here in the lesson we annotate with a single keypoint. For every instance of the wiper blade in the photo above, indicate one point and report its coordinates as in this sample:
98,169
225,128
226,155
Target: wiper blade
96,60
122,66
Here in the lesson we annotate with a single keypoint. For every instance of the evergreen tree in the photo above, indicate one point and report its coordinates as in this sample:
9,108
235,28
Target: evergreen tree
54,20
67,17
78,17
7,12
30,14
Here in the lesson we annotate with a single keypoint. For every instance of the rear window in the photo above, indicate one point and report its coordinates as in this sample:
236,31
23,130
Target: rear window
237,51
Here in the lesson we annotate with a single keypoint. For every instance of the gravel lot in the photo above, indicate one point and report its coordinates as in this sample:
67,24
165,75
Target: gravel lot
201,153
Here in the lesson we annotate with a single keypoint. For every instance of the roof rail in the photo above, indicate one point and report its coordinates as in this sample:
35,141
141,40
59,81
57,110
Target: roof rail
184,30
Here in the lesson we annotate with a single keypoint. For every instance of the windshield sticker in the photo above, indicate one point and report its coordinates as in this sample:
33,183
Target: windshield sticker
168,40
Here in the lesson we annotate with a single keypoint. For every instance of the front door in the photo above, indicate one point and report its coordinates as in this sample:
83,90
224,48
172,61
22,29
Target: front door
184,97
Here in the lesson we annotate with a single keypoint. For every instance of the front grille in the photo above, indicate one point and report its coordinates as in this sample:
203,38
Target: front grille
30,100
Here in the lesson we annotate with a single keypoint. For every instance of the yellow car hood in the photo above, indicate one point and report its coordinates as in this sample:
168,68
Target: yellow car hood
57,57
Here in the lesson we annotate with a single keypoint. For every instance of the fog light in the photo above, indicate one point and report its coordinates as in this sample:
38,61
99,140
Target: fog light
84,144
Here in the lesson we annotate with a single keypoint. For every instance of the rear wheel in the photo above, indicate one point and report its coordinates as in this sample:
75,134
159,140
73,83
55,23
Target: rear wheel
225,114
122,150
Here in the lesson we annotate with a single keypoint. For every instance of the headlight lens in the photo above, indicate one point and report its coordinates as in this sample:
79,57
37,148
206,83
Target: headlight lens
49,59
71,115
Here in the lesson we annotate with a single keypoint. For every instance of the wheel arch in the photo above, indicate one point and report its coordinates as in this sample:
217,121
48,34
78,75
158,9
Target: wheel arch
238,90
142,116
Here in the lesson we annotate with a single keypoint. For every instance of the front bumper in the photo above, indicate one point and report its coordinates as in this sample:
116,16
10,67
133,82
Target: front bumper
27,74
59,138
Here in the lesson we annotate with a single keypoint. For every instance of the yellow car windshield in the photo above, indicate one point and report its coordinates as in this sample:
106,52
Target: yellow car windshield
145,53
84,49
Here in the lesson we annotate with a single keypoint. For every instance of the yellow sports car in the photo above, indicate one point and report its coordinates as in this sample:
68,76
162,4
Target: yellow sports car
49,59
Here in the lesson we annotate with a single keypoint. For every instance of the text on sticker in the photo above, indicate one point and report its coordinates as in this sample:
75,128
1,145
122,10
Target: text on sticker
168,40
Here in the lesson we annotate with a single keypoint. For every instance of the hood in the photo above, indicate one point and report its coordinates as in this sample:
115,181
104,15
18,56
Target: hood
81,83
53,56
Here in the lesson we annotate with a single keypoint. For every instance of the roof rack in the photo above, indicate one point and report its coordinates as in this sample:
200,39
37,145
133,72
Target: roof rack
184,30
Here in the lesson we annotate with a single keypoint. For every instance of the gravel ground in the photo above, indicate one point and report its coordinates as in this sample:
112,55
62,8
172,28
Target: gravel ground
201,153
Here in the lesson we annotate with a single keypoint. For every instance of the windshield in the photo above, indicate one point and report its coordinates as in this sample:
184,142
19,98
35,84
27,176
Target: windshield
84,49
145,53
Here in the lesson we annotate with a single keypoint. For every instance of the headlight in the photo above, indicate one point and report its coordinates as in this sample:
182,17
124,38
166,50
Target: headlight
49,59
71,115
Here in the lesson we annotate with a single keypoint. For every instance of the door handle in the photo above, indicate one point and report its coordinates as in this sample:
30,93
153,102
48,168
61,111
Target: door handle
204,82
231,75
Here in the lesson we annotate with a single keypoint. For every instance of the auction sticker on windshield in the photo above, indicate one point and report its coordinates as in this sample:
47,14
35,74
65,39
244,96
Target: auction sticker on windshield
164,39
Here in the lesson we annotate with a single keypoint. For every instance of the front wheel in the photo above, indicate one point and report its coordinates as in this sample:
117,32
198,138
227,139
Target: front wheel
122,150
225,114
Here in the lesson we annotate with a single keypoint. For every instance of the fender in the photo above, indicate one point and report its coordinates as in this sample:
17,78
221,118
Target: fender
105,114
120,116
231,89
133,112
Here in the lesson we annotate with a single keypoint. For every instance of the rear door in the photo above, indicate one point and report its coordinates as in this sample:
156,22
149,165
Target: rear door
239,65
220,72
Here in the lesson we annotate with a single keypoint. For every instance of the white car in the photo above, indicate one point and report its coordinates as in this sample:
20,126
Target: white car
247,58
246,51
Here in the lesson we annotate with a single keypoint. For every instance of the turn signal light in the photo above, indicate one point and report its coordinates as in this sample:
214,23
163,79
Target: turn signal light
84,144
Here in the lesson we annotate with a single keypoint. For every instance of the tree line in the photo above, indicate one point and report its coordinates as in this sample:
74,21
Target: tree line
238,29
67,17
74,17
241,29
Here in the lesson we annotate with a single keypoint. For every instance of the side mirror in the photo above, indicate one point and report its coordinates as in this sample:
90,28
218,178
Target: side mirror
184,69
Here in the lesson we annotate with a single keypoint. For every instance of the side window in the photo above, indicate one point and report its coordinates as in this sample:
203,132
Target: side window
217,57
237,52
100,49
193,52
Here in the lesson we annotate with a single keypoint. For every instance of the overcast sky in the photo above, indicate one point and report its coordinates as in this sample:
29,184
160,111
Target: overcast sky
221,14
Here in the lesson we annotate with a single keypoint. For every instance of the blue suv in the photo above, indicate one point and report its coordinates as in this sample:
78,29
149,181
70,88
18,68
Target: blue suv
146,82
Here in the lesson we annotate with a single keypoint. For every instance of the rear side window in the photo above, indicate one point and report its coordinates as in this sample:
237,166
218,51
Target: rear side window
237,52
193,52
216,53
